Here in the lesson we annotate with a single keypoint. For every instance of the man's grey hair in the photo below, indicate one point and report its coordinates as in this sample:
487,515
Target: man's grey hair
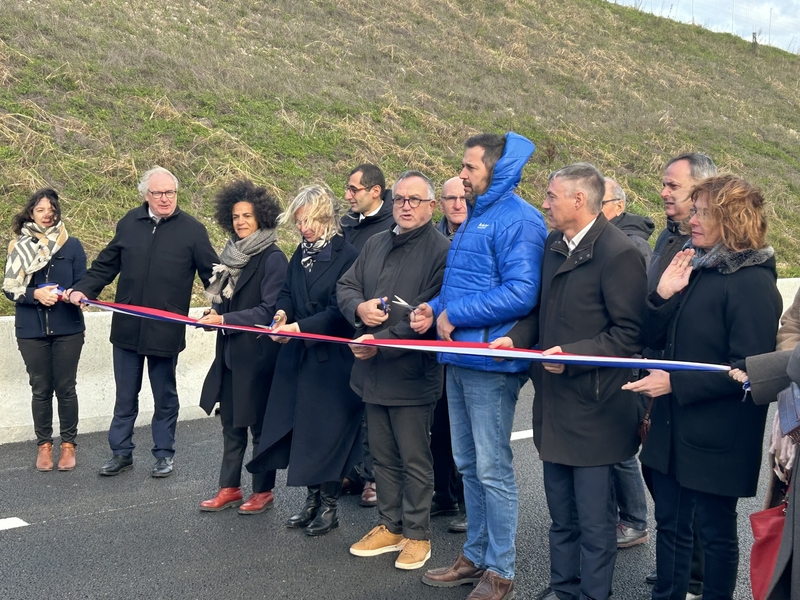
700,165
586,178
407,174
617,192
142,187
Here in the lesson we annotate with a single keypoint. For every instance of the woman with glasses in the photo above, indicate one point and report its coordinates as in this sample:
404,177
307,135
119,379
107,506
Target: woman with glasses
313,419
243,291
44,260
717,302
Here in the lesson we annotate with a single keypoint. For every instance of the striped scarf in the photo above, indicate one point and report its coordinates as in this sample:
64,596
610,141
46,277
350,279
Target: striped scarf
31,252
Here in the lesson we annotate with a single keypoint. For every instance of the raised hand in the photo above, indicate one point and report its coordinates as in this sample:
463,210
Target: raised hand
676,275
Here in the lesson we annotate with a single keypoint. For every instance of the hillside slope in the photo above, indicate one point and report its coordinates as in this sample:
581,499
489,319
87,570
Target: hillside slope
286,92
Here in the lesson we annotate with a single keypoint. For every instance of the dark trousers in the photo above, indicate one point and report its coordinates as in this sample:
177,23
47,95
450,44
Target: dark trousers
400,444
128,372
447,486
235,443
698,562
363,471
678,511
583,535
52,365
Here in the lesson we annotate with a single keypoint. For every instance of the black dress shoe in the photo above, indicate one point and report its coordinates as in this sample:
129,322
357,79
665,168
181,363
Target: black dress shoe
437,509
117,464
651,578
459,524
163,467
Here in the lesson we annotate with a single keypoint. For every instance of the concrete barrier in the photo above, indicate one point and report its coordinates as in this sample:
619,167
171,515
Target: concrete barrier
96,377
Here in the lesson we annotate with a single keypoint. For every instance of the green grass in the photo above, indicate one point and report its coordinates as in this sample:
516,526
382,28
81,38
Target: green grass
94,93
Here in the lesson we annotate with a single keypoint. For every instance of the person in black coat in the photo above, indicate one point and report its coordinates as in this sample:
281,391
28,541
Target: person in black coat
243,291
42,259
716,302
156,251
370,205
312,425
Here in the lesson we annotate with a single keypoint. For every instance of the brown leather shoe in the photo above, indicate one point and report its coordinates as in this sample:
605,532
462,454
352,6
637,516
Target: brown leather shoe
44,459
225,497
493,587
257,503
463,571
369,495
66,462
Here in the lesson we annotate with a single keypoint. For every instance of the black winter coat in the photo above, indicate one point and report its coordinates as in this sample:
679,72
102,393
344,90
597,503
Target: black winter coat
250,357
669,242
592,303
313,420
410,266
638,229
156,264
357,231
33,320
705,432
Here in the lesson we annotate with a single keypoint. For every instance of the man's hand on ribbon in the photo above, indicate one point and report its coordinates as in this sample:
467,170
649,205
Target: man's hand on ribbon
211,317
555,368
656,384
364,352
444,328
288,327
421,318
501,342
372,312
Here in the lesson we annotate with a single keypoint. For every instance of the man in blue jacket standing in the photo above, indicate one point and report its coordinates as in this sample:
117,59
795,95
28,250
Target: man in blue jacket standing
491,280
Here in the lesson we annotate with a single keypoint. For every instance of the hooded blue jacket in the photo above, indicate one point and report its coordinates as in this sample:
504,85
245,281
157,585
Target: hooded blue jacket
494,265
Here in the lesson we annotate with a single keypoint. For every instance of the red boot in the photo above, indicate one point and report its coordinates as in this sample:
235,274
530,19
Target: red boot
225,497
257,503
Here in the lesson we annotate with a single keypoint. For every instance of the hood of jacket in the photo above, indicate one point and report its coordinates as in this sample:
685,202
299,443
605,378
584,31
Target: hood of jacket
631,224
507,172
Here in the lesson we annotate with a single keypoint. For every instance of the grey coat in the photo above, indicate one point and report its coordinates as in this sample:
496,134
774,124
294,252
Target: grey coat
769,374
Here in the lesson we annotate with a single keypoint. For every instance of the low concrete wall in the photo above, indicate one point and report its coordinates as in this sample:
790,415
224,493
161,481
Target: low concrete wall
96,378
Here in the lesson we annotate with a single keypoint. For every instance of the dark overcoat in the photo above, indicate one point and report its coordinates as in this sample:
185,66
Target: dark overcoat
705,433
769,374
156,264
313,420
592,303
250,357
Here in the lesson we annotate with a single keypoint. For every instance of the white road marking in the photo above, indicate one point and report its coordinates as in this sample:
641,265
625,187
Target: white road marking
12,522
521,435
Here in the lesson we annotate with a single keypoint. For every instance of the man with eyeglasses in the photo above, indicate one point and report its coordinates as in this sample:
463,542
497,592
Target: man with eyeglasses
156,251
637,228
399,387
453,204
491,281
370,205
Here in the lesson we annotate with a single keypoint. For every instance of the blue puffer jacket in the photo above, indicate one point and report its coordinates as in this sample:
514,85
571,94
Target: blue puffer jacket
493,271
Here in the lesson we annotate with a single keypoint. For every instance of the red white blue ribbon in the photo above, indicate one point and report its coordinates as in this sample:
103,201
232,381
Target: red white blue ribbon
471,348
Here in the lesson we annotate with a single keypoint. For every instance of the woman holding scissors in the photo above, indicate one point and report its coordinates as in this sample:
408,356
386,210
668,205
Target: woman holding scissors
313,419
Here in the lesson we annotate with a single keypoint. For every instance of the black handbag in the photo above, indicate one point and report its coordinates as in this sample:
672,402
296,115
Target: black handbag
789,412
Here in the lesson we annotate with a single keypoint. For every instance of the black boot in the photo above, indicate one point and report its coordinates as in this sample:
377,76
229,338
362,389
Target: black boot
326,517
308,512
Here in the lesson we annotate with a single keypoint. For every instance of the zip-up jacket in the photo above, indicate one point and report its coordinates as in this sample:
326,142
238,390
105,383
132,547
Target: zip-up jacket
156,264
493,271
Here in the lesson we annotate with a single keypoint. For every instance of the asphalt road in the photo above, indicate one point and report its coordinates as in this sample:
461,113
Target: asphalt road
133,536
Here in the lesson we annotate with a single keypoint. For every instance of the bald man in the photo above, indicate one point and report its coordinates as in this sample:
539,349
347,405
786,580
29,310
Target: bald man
453,204
638,229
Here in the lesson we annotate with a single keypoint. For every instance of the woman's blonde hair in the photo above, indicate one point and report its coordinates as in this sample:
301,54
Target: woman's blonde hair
737,208
321,207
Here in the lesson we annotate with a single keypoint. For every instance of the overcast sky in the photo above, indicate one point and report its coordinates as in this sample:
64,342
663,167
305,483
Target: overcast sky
743,17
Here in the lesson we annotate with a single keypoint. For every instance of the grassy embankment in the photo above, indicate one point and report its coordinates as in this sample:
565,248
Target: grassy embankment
288,92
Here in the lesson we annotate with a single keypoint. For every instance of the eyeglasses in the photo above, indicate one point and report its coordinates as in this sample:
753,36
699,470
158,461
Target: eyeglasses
169,194
399,201
452,199
702,214
611,200
353,189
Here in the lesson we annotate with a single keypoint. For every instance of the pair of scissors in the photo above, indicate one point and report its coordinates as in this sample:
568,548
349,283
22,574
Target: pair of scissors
400,302
385,307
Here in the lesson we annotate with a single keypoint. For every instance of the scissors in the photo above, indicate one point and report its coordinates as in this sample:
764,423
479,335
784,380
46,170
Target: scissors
385,307
400,302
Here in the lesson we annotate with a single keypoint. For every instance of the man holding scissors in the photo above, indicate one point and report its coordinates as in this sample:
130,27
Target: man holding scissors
399,387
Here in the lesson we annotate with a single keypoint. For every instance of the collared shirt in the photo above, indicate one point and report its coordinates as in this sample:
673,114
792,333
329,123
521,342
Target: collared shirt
362,216
153,216
573,243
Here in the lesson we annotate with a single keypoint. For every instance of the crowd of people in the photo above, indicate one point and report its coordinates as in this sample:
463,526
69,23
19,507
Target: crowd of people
418,434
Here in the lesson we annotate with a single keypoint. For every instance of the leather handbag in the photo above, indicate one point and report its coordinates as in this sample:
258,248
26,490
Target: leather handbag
767,528
789,412
644,424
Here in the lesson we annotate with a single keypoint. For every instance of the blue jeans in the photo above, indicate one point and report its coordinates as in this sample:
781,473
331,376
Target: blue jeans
481,406
678,511
628,493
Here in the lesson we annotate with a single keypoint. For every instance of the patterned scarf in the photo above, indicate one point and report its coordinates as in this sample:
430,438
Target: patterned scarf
726,261
310,251
31,252
233,259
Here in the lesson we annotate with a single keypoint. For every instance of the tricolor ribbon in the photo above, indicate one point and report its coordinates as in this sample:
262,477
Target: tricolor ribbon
471,348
